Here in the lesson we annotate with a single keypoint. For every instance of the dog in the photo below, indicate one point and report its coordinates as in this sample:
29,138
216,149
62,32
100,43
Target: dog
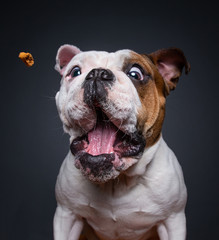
120,180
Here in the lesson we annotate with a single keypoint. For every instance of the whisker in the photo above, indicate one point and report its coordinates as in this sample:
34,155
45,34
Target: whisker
49,97
88,119
81,127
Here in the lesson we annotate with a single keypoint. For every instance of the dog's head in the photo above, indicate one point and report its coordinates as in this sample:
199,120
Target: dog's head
113,104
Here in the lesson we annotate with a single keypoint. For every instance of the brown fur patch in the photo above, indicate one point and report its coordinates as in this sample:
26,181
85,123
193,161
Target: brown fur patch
152,95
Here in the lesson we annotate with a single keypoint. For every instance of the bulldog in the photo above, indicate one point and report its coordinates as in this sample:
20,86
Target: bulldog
120,180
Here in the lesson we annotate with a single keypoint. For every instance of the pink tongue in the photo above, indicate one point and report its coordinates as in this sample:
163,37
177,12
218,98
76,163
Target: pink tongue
101,139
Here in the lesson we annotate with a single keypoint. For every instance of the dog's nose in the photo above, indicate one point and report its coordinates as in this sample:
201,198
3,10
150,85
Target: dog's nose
96,86
100,74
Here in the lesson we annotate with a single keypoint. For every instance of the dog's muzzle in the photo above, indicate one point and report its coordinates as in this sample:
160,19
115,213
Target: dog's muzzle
100,154
95,85
104,151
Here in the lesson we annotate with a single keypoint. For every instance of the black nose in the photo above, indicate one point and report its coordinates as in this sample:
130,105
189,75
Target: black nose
100,74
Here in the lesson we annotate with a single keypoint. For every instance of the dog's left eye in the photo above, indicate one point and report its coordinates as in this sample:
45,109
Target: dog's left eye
76,71
135,73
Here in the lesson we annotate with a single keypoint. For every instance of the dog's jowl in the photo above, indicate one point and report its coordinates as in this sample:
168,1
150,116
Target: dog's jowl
120,180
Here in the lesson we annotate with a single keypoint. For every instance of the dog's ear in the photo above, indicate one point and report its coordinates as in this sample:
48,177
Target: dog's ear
64,55
170,63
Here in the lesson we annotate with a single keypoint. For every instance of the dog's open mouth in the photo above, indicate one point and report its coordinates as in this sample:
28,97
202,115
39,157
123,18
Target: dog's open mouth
100,153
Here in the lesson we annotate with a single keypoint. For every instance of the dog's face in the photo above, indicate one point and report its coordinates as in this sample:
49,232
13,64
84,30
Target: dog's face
113,104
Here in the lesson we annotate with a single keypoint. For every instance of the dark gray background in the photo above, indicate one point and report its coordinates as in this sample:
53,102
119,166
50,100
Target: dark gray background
33,145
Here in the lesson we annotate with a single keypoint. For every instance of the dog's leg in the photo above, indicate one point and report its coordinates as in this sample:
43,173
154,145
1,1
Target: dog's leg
162,232
66,225
173,228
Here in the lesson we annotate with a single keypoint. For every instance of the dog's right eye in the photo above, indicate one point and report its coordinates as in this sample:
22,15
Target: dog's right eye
76,71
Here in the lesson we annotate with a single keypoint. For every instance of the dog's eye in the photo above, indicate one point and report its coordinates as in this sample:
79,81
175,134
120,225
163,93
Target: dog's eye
76,71
136,73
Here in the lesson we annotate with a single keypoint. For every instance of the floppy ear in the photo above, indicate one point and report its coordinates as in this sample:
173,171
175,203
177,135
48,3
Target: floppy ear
170,63
64,55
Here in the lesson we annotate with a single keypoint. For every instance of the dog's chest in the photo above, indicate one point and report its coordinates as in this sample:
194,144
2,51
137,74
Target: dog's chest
119,213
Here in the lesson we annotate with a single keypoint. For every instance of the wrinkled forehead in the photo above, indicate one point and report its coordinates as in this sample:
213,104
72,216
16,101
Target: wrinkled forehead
100,59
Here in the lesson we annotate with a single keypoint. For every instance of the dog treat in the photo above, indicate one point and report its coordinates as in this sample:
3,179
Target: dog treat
27,58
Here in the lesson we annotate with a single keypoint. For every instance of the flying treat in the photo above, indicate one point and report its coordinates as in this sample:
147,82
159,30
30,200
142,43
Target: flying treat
27,58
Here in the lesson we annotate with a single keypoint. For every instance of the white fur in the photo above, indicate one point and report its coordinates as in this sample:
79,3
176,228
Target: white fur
122,102
155,195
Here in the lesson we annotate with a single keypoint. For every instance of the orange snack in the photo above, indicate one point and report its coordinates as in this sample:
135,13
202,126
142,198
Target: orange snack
27,58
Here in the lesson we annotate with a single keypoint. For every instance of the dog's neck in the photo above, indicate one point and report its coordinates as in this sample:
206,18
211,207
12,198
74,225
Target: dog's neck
129,178
149,154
